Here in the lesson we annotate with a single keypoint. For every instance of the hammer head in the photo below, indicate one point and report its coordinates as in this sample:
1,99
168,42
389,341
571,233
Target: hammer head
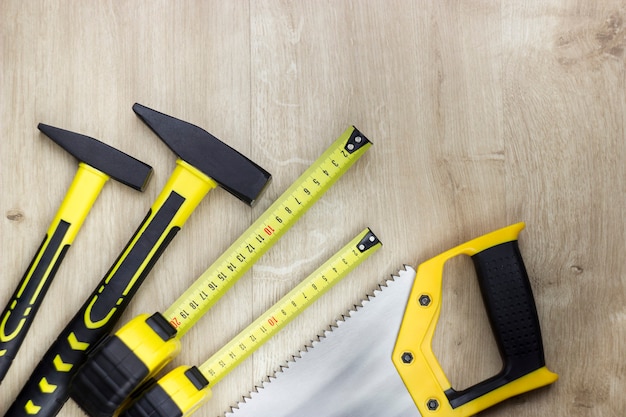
230,169
112,162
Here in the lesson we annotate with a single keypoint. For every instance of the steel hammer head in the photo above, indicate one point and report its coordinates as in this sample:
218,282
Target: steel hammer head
229,168
106,159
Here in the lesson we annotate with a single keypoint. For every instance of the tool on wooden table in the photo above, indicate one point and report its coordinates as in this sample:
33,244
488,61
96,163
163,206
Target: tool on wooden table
379,360
97,163
183,390
146,344
204,162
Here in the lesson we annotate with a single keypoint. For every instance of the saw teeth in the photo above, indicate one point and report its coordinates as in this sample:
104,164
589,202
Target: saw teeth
406,269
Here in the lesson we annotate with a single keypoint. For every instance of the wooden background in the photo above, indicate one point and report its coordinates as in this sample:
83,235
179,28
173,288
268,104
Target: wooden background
482,114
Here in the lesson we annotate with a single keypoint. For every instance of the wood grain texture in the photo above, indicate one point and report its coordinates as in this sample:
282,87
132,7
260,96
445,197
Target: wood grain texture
482,113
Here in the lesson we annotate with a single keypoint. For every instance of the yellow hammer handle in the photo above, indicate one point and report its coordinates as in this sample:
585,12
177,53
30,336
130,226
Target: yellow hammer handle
19,313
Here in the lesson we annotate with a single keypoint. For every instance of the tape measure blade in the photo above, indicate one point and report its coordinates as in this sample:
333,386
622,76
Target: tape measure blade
290,306
266,230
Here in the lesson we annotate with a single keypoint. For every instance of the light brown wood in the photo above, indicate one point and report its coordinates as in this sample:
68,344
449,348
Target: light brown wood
482,114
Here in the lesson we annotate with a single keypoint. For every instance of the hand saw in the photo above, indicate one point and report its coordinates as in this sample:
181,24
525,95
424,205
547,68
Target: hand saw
379,360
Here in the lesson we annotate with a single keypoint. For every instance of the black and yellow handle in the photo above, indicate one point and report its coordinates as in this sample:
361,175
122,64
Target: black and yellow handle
19,313
510,306
48,387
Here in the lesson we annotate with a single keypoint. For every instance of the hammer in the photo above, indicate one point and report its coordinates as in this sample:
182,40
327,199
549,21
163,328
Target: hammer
203,163
98,163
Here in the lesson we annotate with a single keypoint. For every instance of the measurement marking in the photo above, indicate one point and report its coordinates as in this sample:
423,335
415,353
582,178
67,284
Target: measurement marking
288,307
262,234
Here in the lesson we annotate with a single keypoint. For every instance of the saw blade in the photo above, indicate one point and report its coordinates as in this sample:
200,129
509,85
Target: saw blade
348,371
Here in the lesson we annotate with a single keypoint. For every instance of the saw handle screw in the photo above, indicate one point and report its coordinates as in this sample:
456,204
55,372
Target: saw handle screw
407,357
424,300
432,404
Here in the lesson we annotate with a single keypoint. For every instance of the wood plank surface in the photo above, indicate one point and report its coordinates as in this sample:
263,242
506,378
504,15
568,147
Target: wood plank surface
482,114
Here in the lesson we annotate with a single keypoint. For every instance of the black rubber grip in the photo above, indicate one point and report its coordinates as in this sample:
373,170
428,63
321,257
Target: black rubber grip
510,306
154,402
108,378
20,312
47,389
113,371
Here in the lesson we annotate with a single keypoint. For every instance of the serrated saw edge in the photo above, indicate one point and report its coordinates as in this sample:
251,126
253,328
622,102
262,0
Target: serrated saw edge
319,393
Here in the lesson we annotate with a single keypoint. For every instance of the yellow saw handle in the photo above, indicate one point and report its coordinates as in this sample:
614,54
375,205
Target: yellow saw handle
510,305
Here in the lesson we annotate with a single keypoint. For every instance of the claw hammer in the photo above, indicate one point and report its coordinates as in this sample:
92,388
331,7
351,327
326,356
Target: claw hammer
203,163
98,163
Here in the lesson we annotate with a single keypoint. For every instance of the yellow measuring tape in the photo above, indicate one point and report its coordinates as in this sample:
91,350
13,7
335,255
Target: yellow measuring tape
276,220
149,342
184,389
